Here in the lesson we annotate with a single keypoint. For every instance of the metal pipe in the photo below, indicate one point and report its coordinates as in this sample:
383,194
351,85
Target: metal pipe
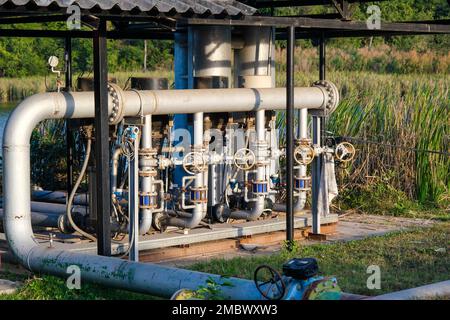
55,208
255,60
114,170
133,202
199,210
40,219
302,170
158,102
428,291
58,197
148,278
146,181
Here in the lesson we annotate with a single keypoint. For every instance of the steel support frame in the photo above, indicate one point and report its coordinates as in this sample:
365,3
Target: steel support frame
69,135
318,136
103,203
290,49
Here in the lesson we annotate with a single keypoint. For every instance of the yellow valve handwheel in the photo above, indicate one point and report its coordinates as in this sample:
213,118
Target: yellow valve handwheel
244,159
194,163
345,152
304,154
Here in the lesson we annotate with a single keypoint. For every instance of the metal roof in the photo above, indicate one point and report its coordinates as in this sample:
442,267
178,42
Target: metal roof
184,7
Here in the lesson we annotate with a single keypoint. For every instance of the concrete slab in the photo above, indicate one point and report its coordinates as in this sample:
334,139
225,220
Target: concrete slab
8,287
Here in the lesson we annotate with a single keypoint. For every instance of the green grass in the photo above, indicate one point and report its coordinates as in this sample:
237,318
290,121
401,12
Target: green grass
53,288
381,198
406,259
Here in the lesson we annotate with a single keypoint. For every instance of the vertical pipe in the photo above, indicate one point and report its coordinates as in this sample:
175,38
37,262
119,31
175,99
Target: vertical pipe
302,133
198,145
290,136
146,181
69,137
102,141
133,204
181,70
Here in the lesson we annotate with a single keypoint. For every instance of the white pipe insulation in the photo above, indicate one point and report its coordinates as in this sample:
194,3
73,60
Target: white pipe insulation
199,211
302,170
115,272
146,181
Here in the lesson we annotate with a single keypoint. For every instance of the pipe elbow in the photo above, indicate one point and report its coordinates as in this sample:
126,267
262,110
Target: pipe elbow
145,222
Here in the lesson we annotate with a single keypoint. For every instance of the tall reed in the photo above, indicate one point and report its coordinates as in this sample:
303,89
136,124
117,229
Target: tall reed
409,112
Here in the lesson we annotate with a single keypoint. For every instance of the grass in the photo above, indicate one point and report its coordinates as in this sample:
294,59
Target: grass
406,259
53,288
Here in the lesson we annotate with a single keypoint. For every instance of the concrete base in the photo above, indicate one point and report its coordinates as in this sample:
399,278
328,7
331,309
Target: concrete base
8,287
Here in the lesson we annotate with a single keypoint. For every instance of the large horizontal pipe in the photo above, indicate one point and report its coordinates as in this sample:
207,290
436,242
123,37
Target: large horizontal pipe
434,290
222,100
148,278
58,197
40,219
56,208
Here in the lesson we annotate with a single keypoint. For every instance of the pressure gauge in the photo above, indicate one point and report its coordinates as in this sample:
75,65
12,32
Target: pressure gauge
53,61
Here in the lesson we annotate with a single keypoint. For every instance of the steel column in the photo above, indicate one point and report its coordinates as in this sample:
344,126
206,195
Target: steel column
102,141
316,169
69,136
290,136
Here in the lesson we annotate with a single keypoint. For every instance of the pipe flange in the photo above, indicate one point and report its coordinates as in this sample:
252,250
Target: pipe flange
148,152
332,96
148,200
148,173
117,112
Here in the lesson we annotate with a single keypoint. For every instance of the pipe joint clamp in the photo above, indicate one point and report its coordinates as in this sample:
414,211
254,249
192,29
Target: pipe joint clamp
331,93
302,183
260,187
199,194
148,200
118,112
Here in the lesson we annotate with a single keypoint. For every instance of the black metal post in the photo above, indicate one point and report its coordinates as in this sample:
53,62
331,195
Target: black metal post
322,56
102,141
322,76
318,138
69,136
290,137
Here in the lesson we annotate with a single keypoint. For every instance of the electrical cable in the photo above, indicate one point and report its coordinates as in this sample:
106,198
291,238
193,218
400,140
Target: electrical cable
74,190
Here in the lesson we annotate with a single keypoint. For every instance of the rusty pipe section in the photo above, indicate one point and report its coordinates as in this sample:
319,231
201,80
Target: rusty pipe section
109,271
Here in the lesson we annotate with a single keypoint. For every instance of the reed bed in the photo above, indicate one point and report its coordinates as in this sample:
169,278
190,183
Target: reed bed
401,116
395,119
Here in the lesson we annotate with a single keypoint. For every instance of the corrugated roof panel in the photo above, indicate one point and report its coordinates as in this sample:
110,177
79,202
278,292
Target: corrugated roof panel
212,7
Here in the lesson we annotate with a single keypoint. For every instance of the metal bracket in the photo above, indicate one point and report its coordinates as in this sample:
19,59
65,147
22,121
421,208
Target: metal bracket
342,7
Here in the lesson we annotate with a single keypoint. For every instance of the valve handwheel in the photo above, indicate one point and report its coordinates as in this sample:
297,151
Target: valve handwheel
194,163
345,152
304,154
244,159
269,282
